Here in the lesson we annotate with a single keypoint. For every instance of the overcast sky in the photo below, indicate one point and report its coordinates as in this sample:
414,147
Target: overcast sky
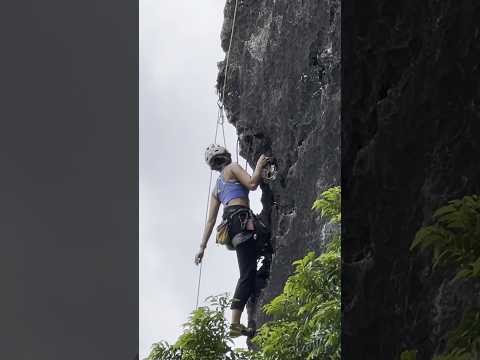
179,49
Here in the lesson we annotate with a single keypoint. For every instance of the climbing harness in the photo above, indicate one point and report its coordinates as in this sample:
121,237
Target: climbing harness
220,121
246,219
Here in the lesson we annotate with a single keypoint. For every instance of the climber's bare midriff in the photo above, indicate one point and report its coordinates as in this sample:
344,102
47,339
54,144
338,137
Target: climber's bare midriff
239,201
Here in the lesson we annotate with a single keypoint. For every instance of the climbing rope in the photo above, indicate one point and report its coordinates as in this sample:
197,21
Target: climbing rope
237,151
205,224
238,140
198,285
220,102
220,121
228,53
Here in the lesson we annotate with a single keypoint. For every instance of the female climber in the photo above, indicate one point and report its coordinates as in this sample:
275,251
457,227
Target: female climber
231,189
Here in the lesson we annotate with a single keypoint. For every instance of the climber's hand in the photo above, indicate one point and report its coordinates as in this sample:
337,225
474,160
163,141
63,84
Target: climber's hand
263,161
199,256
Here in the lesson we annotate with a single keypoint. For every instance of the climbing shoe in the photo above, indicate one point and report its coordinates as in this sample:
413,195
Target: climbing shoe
237,330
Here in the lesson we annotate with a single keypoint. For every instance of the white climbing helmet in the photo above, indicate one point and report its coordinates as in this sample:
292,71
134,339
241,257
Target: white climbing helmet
214,150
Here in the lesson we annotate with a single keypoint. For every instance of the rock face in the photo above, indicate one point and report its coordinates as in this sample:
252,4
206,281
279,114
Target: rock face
410,130
283,97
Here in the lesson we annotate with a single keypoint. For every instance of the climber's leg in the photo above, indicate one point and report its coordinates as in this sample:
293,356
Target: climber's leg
251,307
247,263
236,315
260,283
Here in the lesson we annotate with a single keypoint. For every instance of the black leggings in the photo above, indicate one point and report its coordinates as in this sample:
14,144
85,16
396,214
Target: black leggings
247,263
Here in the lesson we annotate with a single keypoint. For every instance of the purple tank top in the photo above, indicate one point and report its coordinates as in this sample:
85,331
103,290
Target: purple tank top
228,190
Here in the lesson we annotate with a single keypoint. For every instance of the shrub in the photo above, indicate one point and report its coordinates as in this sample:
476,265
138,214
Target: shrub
454,238
205,336
306,316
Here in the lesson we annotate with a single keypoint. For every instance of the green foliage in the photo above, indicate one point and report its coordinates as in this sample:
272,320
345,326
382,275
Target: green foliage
456,354
164,351
306,316
409,355
464,341
205,336
330,204
454,238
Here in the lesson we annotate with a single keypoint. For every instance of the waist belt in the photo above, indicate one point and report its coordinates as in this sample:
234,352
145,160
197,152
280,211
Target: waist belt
229,214
243,220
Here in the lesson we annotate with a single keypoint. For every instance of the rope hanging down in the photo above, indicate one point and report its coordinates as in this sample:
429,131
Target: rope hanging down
220,102
205,224
220,121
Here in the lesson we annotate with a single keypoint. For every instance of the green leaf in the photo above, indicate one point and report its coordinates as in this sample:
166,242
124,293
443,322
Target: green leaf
476,267
444,210
409,355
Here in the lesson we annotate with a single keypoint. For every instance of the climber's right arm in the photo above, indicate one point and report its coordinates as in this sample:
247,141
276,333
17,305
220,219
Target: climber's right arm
212,218
250,182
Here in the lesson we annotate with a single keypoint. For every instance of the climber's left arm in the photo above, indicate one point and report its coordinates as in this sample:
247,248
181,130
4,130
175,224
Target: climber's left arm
212,218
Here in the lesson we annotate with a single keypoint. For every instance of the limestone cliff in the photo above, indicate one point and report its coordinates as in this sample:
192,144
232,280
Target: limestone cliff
410,130
283,97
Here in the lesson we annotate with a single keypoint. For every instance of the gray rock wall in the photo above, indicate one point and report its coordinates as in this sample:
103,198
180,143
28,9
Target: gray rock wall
283,97
410,143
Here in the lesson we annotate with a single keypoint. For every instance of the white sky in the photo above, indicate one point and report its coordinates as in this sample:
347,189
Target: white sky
179,49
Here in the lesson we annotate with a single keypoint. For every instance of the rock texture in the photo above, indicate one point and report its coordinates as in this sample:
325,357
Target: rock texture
410,131
283,97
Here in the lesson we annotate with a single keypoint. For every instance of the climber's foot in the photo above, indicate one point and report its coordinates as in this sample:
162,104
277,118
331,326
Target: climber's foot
251,333
237,330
